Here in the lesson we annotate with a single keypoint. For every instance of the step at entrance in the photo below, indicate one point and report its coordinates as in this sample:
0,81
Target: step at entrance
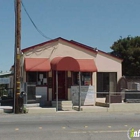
63,105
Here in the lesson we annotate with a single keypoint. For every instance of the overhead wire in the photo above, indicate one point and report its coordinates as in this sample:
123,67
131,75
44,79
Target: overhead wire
48,38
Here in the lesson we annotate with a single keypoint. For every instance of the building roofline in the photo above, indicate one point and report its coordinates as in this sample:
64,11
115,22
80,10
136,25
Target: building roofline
59,38
5,74
110,55
84,46
40,44
93,50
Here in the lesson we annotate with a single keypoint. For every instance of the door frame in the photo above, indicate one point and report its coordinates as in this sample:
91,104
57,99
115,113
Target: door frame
54,86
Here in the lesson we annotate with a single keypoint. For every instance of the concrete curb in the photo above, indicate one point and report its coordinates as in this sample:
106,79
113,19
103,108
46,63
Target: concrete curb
91,109
125,107
115,107
35,110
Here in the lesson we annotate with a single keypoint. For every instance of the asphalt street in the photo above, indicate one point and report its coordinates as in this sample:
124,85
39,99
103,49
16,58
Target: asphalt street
68,126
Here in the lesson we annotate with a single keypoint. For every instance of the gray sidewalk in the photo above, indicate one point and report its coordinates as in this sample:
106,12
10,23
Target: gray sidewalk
115,107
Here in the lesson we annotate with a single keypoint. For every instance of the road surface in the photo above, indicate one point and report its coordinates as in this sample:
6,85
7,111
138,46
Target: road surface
68,126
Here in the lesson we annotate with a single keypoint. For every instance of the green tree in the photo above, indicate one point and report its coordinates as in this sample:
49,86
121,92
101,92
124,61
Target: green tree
128,49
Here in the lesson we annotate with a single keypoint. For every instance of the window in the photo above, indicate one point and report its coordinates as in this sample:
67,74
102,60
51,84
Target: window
85,78
106,82
31,77
40,78
75,78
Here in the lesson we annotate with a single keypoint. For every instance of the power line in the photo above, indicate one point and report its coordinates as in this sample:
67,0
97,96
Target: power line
34,23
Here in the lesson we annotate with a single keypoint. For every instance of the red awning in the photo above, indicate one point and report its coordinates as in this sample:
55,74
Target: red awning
37,64
87,65
71,64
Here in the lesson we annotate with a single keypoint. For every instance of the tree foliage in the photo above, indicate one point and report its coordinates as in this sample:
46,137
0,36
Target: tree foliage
128,49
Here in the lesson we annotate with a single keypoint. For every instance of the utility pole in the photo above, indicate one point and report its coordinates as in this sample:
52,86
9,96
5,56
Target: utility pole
17,55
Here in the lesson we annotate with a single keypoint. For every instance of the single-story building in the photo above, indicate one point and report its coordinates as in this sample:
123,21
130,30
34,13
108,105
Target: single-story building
59,61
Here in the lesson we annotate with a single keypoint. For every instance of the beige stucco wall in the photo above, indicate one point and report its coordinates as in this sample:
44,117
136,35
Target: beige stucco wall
57,49
106,63
50,94
60,49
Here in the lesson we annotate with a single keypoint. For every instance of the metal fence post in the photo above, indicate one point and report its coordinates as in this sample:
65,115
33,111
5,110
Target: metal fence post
79,98
109,98
56,91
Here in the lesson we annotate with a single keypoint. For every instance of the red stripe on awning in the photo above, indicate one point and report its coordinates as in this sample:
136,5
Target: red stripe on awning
37,64
71,64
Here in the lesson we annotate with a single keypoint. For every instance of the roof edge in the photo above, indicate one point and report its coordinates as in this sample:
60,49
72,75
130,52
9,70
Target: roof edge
111,55
94,50
56,39
40,44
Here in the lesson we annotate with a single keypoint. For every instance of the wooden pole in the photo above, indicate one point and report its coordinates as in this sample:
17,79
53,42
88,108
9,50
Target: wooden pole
17,54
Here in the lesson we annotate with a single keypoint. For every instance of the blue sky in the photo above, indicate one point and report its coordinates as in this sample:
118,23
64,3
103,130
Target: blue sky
97,23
